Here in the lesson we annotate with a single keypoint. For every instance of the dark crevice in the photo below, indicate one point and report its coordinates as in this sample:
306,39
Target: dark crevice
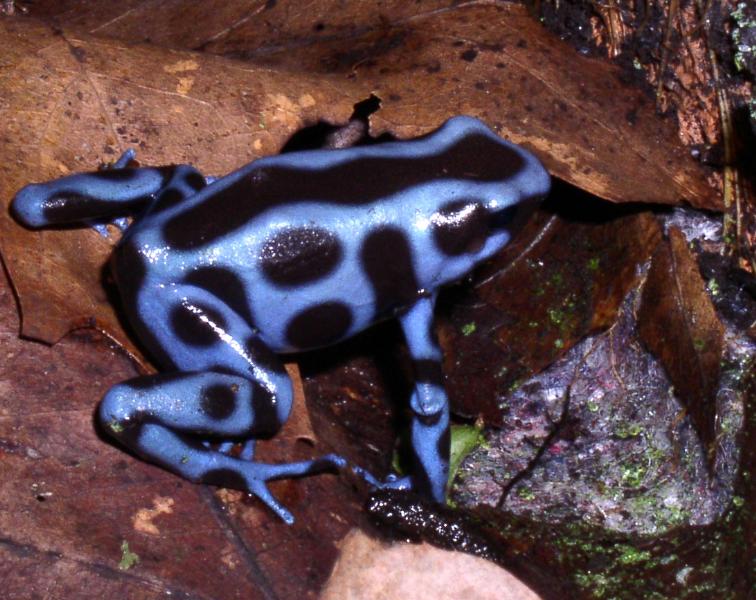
325,135
553,434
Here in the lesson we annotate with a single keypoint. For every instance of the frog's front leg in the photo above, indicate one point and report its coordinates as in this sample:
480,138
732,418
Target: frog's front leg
122,223
429,403
102,196
228,387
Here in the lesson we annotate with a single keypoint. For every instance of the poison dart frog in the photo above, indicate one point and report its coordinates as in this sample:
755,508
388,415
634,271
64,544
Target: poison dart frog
289,253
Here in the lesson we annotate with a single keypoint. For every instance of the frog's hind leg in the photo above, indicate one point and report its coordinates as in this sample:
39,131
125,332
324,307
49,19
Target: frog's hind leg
162,418
227,387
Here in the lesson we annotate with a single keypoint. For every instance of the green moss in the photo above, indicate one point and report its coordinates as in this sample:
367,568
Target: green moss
469,328
597,583
633,475
525,493
628,430
730,424
713,287
128,558
653,454
682,564
673,515
745,53
630,555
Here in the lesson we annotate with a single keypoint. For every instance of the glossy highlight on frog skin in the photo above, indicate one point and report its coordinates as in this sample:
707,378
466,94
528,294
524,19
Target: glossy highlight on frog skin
289,253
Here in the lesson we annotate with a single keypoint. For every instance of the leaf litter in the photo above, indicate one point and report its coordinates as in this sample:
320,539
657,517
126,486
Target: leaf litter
559,334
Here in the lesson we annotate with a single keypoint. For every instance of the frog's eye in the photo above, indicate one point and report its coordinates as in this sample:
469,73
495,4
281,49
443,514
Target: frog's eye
460,227
512,218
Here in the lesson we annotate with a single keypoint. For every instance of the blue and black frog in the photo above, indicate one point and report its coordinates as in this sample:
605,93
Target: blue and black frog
289,253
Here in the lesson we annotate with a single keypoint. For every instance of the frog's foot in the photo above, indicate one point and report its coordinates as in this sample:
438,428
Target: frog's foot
101,227
124,160
392,481
254,476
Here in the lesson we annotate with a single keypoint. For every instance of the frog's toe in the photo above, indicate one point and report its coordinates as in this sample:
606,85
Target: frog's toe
259,489
101,226
225,447
124,160
395,482
392,481
332,460
222,447
121,222
252,478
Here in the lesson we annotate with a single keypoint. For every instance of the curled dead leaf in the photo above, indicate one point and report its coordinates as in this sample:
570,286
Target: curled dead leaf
678,323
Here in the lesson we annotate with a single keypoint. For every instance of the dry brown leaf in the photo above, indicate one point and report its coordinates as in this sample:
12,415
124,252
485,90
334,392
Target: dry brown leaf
679,324
429,61
370,569
588,127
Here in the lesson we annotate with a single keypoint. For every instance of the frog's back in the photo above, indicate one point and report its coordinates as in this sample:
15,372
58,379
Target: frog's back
367,229
462,150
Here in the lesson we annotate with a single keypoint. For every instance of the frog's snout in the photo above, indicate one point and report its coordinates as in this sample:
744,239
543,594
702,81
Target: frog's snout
27,206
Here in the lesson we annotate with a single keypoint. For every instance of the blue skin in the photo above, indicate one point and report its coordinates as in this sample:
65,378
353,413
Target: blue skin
289,253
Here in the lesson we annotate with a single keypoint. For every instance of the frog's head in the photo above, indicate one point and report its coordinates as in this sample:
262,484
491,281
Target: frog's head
480,225
491,186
